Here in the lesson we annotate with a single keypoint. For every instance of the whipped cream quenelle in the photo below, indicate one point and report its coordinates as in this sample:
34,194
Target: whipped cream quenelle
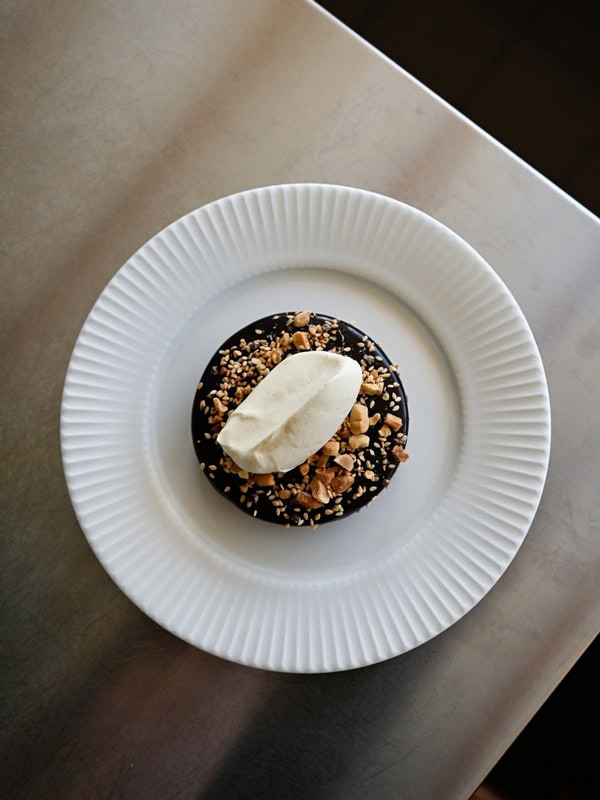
292,412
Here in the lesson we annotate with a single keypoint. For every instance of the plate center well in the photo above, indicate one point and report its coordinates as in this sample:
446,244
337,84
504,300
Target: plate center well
339,548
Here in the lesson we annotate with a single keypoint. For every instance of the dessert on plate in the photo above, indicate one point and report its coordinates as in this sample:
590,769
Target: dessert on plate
299,419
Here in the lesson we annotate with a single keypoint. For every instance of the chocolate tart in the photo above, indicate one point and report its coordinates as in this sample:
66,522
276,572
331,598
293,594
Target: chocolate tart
351,469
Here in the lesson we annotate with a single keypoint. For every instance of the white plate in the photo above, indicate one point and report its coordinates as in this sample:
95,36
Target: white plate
359,590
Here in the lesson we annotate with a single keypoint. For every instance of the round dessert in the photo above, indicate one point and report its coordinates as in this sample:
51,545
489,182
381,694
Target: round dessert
361,453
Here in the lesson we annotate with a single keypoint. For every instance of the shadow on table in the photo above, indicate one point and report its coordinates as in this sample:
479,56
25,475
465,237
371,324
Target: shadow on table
321,736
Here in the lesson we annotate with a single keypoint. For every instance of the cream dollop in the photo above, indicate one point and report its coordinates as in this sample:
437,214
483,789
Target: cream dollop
292,412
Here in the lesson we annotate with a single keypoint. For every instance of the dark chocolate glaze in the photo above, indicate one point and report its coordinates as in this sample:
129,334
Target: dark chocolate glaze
374,465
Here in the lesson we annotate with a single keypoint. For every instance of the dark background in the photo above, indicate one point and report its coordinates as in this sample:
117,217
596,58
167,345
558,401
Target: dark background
528,73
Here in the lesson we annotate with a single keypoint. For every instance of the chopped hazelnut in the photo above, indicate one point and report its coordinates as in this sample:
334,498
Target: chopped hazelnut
341,483
301,319
304,469
219,406
345,461
307,500
359,418
384,432
300,340
319,490
330,448
358,441
400,453
394,422
325,475
344,430
368,387
268,479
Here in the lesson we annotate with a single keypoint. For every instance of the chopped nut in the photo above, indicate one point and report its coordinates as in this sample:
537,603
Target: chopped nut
374,419
345,461
344,430
300,340
384,432
304,469
368,387
275,355
301,319
285,494
359,418
219,406
307,500
322,462
400,453
330,448
325,475
341,483
394,422
268,479
319,490
358,441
